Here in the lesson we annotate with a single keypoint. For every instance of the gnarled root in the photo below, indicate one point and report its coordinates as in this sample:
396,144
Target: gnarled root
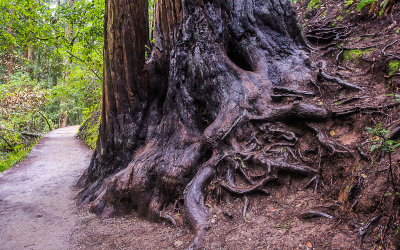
323,76
318,182
195,209
257,187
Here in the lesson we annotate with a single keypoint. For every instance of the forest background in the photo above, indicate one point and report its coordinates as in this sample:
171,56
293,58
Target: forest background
51,63
51,67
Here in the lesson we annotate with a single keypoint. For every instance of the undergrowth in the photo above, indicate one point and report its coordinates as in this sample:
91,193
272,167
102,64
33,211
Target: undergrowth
89,130
8,159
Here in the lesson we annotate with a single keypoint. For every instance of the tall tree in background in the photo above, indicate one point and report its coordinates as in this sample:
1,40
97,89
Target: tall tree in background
211,98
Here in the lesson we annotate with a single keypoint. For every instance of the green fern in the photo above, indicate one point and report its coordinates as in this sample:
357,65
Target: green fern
364,3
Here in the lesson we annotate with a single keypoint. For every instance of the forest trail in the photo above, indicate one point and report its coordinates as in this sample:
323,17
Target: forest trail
37,207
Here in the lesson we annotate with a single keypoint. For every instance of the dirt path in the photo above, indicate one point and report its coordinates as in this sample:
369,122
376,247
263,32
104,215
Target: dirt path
36,196
38,209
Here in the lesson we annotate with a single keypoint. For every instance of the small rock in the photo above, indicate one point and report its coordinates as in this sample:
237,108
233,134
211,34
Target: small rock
213,220
108,221
180,234
178,244
248,216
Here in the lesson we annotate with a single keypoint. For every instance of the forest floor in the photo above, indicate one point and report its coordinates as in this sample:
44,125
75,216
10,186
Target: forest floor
38,211
37,197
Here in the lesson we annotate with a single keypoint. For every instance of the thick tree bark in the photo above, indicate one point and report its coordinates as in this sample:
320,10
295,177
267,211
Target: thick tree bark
205,100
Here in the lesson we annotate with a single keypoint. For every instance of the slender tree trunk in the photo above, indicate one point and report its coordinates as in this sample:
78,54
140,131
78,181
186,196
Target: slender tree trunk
10,59
210,95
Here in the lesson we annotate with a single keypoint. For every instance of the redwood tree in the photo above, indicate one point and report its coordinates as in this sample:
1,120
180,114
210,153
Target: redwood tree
227,84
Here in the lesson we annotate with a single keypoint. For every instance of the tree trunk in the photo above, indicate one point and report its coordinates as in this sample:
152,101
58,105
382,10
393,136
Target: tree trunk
10,59
218,90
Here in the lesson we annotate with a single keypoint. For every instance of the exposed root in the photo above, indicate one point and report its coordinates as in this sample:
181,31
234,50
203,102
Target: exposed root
330,145
349,100
363,229
389,54
314,214
278,166
245,176
279,98
323,76
316,85
195,209
317,179
258,187
296,110
283,134
363,154
281,90
168,218
246,206
356,110
318,182
395,132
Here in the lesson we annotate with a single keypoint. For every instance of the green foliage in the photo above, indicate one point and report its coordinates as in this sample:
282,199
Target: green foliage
8,159
355,54
55,53
348,2
396,97
89,130
394,67
313,4
364,3
380,139
22,119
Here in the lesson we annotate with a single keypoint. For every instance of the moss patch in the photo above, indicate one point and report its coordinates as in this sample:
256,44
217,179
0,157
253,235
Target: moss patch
89,130
356,54
393,67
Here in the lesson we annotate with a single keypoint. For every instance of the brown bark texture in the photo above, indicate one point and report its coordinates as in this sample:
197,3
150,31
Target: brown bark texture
227,85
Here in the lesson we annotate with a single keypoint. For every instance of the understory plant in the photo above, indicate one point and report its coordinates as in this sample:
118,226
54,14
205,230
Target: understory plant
381,142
